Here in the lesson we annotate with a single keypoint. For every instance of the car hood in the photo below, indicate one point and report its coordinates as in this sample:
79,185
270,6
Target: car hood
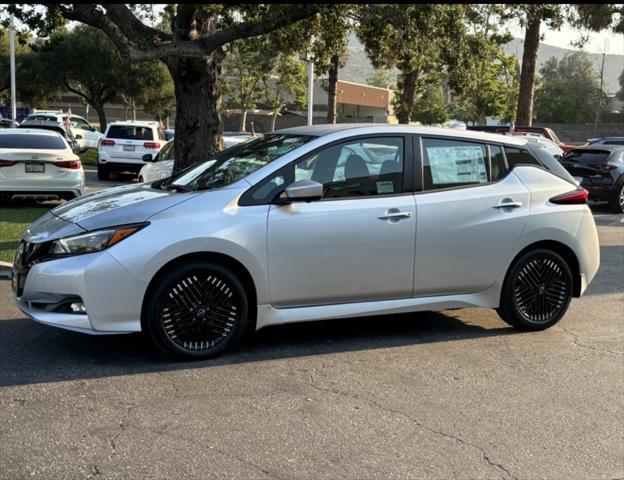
106,208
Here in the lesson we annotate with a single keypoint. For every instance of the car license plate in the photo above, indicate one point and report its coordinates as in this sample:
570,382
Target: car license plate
34,167
128,148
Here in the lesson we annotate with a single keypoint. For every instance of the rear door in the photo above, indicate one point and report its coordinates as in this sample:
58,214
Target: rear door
471,213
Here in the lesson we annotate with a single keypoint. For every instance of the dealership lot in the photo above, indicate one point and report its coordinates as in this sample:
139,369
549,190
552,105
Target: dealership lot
455,394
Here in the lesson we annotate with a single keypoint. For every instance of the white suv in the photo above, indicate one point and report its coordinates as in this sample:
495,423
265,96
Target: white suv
86,134
124,145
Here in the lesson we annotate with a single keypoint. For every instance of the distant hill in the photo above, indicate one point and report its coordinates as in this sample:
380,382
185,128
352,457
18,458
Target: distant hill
358,68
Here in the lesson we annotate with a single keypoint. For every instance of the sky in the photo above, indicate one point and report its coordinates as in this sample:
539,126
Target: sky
563,38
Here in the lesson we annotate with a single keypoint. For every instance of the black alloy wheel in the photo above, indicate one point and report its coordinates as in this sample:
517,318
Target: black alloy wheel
198,311
537,290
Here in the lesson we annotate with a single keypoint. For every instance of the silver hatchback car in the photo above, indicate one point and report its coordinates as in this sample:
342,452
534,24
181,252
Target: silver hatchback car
314,223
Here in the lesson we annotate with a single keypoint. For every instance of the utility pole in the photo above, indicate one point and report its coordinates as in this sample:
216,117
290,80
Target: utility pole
600,106
12,54
308,58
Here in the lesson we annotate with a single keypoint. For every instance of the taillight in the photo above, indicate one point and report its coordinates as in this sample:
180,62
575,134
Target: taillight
73,164
107,143
574,197
7,163
151,145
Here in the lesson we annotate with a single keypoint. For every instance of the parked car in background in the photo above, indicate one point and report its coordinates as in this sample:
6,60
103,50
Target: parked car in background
7,123
550,146
169,133
160,166
600,170
55,126
38,164
85,134
269,232
605,141
546,132
125,145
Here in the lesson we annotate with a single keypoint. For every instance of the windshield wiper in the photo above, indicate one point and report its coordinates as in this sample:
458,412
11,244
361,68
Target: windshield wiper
176,187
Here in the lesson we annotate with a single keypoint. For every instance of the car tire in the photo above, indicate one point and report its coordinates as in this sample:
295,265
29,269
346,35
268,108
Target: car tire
537,290
617,201
103,173
198,310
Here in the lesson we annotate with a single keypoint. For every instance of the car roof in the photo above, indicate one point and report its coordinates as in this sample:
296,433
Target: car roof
326,129
134,123
28,131
609,148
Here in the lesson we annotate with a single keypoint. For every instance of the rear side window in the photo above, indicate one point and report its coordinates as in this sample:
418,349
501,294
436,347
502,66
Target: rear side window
453,163
613,142
549,161
130,132
586,157
518,156
498,167
32,142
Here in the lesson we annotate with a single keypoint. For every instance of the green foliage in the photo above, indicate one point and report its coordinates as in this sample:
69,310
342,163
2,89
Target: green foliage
568,91
430,108
290,82
418,39
488,89
380,78
149,84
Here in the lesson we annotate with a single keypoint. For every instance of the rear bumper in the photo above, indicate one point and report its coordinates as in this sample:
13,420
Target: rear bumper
116,166
69,186
587,248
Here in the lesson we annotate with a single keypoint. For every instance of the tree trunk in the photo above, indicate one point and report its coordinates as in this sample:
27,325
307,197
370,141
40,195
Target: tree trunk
198,126
133,110
243,121
274,121
331,89
524,116
406,97
101,116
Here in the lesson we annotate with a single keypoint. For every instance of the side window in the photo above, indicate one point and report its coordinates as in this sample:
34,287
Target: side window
453,163
165,152
363,167
266,191
497,162
518,156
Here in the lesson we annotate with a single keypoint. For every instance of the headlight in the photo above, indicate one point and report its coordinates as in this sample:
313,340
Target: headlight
92,241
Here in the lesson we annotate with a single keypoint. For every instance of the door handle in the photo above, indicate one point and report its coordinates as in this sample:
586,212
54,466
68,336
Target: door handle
509,205
394,215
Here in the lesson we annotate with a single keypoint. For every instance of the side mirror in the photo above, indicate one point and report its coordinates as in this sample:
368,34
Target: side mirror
302,191
148,158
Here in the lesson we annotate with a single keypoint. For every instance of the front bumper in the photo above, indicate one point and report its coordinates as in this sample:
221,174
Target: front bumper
112,295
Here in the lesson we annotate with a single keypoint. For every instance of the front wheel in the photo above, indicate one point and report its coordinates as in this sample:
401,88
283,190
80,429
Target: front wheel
537,291
197,311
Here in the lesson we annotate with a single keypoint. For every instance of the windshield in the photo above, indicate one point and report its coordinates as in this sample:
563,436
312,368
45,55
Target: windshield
237,162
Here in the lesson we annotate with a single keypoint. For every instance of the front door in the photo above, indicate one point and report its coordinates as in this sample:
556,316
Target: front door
357,243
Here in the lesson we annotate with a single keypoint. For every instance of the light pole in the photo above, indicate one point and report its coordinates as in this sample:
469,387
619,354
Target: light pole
12,54
308,58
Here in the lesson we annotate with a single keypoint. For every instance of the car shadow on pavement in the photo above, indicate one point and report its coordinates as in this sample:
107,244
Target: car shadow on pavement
32,353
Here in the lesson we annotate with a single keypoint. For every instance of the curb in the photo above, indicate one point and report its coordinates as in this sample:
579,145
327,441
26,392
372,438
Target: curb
5,269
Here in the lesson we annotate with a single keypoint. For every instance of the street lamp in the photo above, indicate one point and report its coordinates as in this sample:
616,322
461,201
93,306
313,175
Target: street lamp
308,58
12,54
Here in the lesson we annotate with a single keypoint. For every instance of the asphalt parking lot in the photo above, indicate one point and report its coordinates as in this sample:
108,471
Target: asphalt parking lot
455,394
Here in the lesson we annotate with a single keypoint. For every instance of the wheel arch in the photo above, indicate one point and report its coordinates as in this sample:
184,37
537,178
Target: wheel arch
237,268
560,248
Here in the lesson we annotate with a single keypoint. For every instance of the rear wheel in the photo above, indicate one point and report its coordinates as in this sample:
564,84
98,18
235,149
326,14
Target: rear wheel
199,310
537,290
103,173
617,202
